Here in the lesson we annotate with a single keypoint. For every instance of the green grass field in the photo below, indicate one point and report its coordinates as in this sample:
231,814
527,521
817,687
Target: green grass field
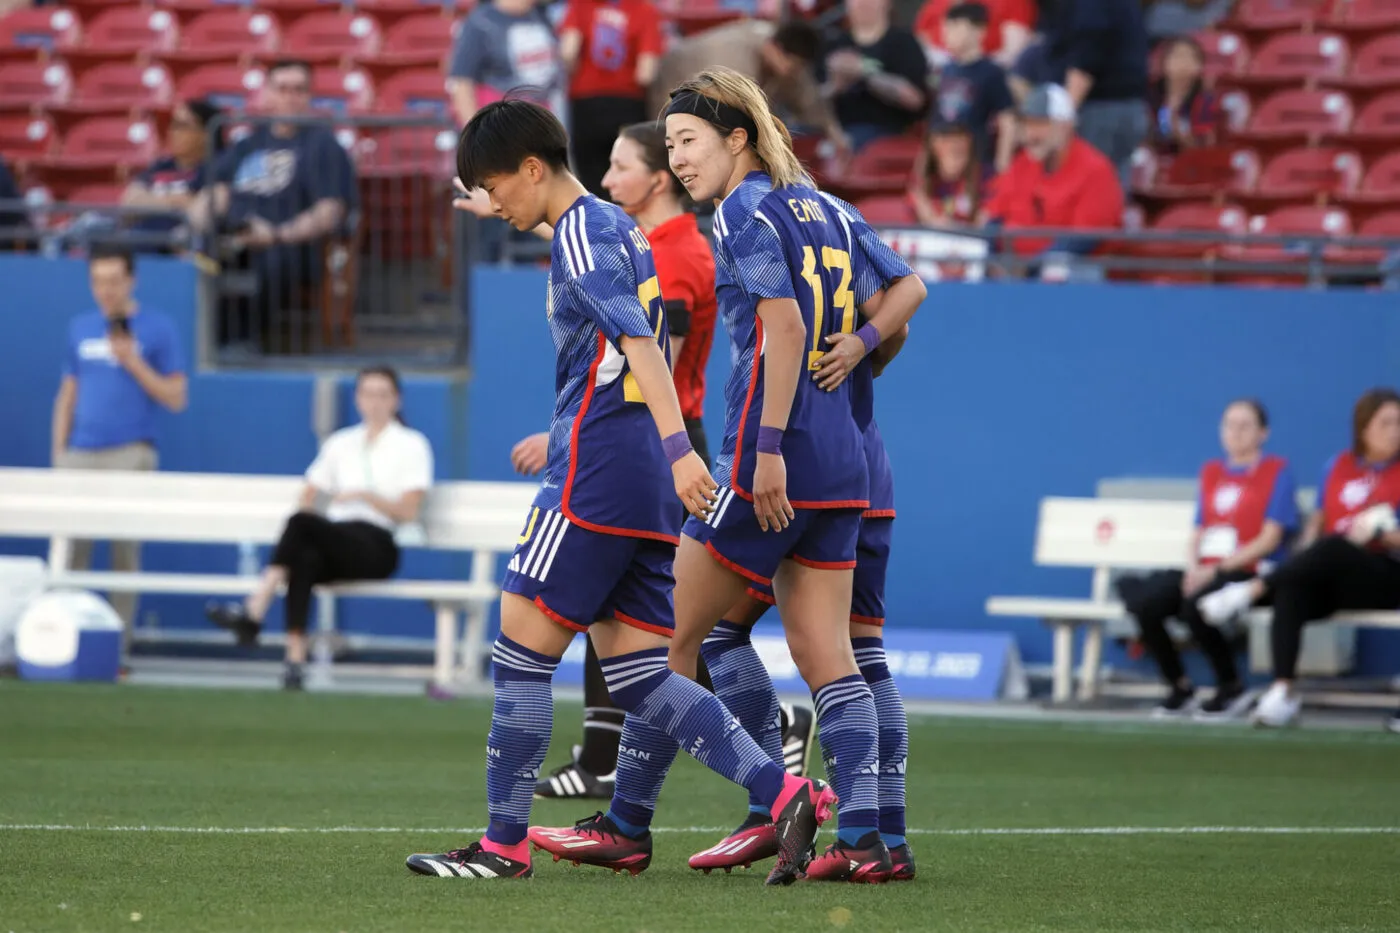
127,808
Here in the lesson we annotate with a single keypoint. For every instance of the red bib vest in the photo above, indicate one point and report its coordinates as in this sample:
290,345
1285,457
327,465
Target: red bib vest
1233,505
1353,486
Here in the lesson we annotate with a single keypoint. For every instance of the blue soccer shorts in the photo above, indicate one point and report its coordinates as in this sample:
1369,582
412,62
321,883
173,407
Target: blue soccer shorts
868,584
578,577
820,538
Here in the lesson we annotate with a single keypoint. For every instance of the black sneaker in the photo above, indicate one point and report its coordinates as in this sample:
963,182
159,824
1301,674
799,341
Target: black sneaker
293,679
234,616
803,805
1229,702
799,725
902,863
471,862
573,781
1178,703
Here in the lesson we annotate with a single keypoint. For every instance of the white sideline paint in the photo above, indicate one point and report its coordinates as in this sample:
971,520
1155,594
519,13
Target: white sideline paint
682,830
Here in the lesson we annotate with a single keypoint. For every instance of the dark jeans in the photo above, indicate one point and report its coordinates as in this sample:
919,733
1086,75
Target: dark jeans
596,122
1154,599
315,550
695,428
1331,575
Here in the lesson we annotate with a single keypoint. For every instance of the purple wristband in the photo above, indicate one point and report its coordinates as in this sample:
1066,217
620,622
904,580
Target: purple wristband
770,440
869,336
676,446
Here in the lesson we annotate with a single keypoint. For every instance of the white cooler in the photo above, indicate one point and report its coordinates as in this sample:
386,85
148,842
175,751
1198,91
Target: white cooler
69,635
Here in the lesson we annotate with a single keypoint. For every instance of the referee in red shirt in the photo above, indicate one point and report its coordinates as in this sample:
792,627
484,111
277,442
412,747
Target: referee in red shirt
611,50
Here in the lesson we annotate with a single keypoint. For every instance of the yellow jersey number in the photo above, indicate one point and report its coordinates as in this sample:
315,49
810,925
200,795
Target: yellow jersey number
648,293
843,299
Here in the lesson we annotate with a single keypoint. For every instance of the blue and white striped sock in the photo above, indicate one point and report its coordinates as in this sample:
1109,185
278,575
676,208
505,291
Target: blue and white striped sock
522,718
744,687
665,704
847,729
894,736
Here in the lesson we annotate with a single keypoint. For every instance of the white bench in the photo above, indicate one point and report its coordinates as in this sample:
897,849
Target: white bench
483,519
1105,535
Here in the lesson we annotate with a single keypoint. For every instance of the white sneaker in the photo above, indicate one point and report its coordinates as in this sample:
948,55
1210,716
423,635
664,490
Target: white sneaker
1277,708
1226,603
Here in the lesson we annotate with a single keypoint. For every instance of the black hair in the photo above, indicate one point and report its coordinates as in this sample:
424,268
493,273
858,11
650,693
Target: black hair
799,39
651,139
1159,86
1261,414
390,373
101,250
282,63
974,13
502,135
206,112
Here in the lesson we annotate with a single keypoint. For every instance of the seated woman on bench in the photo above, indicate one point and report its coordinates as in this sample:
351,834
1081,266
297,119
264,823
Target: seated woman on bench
375,474
1245,515
1349,556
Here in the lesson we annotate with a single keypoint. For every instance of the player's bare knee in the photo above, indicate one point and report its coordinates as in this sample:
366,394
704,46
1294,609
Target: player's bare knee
527,625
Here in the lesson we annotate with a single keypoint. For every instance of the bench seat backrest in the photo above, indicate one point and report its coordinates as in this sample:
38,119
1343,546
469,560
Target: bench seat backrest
1101,533
220,507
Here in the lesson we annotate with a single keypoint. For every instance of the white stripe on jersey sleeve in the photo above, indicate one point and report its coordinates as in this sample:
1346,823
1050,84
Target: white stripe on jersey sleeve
760,216
583,240
562,235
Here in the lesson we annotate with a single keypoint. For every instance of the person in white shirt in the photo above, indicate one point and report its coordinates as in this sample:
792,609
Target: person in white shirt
375,475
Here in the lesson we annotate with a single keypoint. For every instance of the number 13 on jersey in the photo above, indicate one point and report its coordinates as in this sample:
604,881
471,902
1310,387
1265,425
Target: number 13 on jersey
843,300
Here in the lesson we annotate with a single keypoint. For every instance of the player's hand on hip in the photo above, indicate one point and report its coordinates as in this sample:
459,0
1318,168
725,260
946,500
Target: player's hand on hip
530,454
694,485
770,501
847,350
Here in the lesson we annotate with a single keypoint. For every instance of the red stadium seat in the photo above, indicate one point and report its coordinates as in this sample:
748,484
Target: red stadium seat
1375,65
127,31
227,34
24,137
26,84
1309,174
407,151
1300,221
1383,226
102,149
1227,54
1294,58
1276,15
1381,184
332,36
882,167
1301,114
1199,174
888,210
418,90
341,92
45,28
1378,121
95,195
1226,219
1364,15
420,39
226,86
113,87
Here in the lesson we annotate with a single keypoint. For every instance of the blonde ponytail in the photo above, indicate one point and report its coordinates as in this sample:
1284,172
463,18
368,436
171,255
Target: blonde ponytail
774,143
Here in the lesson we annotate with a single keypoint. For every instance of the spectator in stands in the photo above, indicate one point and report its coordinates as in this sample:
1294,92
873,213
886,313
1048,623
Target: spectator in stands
1057,180
1184,113
1167,18
505,45
877,76
172,181
781,59
972,87
1245,514
13,220
1102,47
947,186
610,50
281,191
1348,557
124,363
375,475
1009,27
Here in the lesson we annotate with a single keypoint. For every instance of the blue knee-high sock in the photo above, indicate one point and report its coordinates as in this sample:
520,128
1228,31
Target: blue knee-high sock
744,687
666,709
894,736
521,720
846,727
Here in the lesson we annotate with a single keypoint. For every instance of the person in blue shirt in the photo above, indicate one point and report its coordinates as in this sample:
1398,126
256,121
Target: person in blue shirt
123,365
596,549
972,89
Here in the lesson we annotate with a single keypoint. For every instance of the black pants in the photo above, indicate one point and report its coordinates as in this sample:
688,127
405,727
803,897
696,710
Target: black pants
315,550
596,122
1155,599
1331,575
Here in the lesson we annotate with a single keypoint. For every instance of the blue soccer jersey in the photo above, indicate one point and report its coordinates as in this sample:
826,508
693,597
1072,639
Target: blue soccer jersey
788,243
881,267
606,471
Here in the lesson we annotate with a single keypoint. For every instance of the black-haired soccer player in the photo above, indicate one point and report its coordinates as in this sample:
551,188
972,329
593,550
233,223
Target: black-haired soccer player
597,548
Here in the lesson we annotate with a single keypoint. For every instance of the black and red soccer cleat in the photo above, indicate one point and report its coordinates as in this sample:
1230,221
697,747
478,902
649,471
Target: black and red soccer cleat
474,861
866,862
594,841
902,858
756,839
803,805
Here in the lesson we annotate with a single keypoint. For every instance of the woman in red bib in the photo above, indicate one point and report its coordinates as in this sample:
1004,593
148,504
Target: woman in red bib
1349,556
1245,515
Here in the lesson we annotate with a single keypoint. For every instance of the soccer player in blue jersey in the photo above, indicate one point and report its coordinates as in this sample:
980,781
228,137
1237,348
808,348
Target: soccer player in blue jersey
598,545
792,466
